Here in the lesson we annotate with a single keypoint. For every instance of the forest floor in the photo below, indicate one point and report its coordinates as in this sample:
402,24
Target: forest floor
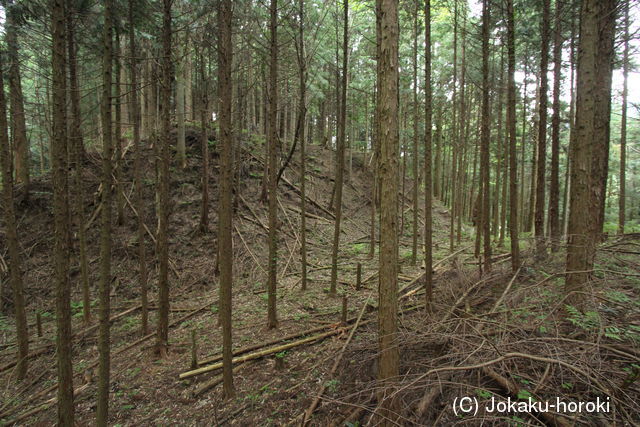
505,335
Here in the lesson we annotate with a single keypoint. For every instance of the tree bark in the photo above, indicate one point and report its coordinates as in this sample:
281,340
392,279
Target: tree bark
77,157
16,99
102,412
225,58
11,236
485,138
511,129
300,135
61,215
554,186
623,123
542,132
342,121
593,103
162,333
388,366
137,174
428,184
272,140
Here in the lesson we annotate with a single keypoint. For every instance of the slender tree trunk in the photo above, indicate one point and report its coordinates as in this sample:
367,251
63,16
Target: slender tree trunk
454,132
16,99
416,120
272,319
181,155
554,187
340,150
623,123
204,141
300,134
225,58
77,156
137,173
428,184
102,412
61,216
162,333
11,236
485,138
542,132
117,135
511,129
388,366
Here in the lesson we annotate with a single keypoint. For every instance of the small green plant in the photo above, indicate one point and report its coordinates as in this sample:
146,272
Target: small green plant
524,394
483,393
587,321
567,386
358,248
332,385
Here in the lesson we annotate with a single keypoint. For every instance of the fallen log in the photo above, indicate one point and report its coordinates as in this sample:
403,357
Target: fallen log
262,353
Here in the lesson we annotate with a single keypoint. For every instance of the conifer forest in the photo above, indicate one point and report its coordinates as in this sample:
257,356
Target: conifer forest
320,213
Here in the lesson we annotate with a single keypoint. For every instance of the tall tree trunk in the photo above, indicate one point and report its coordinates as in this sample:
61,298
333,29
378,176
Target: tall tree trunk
428,184
272,138
137,173
11,236
542,131
102,412
623,122
454,132
225,58
342,119
117,134
416,120
300,135
485,138
162,334
388,366
181,155
204,141
16,99
61,215
511,129
593,103
554,186
77,156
